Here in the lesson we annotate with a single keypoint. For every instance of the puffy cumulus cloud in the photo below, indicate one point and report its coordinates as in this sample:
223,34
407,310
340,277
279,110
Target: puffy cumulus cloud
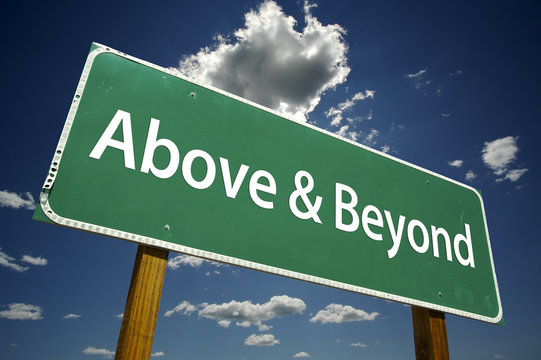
271,63
246,313
455,163
16,201
336,114
301,355
91,350
71,316
261,340
9,262
184,308
336,313
20,311
37,261
499,154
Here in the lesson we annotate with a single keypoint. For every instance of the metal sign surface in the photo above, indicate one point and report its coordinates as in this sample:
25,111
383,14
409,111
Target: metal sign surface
151,157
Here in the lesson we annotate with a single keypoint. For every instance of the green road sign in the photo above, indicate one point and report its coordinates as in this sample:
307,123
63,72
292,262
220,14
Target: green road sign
151,157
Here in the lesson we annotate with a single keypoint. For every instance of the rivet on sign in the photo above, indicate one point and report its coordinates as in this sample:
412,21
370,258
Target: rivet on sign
192,94
167,227
440,294
428,181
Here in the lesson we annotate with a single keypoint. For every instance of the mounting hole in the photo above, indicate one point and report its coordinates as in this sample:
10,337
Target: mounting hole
166,227
192,94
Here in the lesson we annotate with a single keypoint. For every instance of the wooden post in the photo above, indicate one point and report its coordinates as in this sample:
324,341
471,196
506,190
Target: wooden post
430,334
142,305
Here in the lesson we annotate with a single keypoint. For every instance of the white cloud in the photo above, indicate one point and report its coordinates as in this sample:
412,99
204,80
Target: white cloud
514,175
385,149
336,313
9,262
71,316
224,323
358,344
37,261
416,75
301,355
120,316
457,72
15,201
470,175
344,132
91,350
157,354
273,64
247,313
370,139
184,308
446,115
261,340
20,311
500,153
191,261
337,113
456,163
187,260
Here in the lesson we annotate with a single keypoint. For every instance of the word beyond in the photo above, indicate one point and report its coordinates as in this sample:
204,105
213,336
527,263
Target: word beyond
371,217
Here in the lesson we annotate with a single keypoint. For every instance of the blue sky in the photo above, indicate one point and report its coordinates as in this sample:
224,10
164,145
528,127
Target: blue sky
452,87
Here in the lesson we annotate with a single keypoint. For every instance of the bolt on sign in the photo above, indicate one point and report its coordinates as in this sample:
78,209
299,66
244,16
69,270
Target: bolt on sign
149,156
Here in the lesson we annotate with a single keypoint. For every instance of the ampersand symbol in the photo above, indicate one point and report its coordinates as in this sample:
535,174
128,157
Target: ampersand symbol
302,193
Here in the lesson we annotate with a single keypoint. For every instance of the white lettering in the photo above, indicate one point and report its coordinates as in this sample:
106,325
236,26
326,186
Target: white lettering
232,190
366,220
187,169
349,207
435,244
411,226
106,139
150,147
255,186
396,234
467,240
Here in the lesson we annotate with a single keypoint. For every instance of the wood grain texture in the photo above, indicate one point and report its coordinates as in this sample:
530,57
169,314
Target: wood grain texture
430,334
142,305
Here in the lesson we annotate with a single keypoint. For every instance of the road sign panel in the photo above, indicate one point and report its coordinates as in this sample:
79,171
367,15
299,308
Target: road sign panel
149,156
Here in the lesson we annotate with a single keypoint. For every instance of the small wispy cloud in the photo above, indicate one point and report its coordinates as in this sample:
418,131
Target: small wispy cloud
91,350
455,163
455,73
21,311
336,113
119,316
71,316
17,201
301,355
10,262
191,261
36,261
470,175
157,354
358,344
